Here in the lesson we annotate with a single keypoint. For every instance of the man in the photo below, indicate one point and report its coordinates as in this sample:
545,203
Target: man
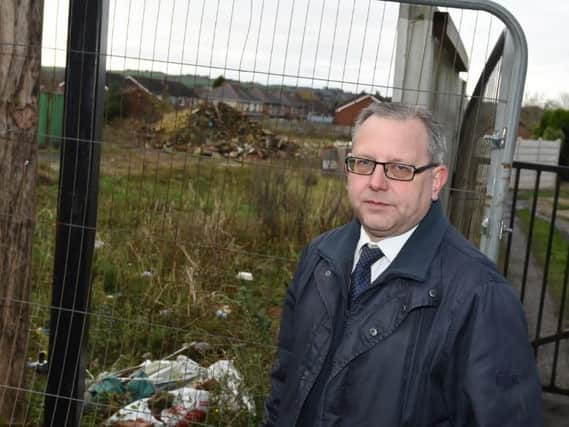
395,319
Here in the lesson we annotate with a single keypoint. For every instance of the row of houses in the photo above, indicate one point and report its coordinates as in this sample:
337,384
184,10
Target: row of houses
258,101
319,105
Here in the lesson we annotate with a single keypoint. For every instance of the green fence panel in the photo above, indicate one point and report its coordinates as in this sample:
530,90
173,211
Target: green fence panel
50,124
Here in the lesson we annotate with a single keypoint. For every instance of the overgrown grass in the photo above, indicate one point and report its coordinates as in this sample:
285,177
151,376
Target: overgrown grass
173,231
558,258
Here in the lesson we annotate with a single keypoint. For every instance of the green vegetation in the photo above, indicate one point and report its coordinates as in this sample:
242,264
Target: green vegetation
173,232
219,80
545,194
554,124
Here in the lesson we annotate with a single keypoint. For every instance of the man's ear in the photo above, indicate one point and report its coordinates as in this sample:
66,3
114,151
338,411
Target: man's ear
440,176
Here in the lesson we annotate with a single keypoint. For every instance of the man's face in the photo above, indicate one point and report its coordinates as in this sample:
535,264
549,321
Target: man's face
387,207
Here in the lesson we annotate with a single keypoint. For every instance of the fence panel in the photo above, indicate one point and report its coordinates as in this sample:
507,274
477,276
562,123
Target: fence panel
215,117
536,151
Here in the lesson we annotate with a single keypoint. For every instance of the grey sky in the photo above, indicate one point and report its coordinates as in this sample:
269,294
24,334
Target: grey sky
546,26
303,42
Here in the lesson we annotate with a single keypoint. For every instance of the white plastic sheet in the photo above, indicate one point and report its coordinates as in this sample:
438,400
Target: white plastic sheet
188,401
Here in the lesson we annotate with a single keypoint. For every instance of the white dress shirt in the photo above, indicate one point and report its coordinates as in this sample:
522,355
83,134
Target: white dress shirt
390,247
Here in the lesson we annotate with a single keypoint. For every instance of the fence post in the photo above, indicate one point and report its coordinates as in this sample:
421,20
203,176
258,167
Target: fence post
502,155
77,210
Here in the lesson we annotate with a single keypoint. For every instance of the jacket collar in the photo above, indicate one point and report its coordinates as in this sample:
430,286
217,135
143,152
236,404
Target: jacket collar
416,257
412,262
338,246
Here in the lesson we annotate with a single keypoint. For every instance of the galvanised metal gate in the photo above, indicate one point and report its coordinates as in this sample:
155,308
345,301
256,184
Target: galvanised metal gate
486,131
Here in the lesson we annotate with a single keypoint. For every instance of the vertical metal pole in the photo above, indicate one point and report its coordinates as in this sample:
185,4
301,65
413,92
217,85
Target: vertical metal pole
77,210
501,156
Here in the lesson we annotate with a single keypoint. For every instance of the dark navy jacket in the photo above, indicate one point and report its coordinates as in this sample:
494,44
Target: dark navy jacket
439,339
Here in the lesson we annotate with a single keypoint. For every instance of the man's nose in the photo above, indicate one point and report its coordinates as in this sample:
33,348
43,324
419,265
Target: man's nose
378,180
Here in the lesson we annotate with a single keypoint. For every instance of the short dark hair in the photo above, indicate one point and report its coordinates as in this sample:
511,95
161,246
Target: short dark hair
399,111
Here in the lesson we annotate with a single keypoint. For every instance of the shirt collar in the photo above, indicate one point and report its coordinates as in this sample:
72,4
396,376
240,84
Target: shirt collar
415,258
390,246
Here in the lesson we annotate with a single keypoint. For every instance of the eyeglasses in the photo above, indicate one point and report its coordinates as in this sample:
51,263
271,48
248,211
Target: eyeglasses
392,170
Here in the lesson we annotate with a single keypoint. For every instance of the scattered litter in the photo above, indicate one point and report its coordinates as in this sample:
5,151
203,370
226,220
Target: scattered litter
39,365
197,350
180,391
135,423
106,386
165,312
146,273
200,346
43,330
158,375
89,374
99,244
140,386
223,312
224,372
165,409
165,373
244,275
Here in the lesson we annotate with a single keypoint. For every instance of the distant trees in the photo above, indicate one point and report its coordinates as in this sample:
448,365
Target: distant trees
554,124
564,100
122,104
218,81
539,99
554,121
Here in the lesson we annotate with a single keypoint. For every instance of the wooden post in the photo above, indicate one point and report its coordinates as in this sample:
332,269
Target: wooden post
20,53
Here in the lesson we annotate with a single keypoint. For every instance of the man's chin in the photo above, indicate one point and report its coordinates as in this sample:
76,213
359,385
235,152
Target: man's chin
377,231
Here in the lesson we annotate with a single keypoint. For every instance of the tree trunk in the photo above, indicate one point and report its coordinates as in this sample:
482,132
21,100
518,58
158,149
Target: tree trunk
20,52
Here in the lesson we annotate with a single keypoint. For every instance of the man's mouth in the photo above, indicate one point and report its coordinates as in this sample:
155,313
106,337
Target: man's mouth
375,203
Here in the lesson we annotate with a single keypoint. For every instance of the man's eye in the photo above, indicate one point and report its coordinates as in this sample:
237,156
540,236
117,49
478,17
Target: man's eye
401,168
364,162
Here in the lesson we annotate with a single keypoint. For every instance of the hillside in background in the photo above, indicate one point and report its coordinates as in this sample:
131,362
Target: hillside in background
51,76
189,80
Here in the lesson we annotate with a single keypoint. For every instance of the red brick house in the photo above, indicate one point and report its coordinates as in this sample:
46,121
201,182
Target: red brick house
346,113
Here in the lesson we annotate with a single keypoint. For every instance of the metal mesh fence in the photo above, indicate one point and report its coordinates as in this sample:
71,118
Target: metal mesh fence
224,127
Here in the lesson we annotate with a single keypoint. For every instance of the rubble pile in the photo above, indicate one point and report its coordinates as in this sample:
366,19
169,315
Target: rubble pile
220,130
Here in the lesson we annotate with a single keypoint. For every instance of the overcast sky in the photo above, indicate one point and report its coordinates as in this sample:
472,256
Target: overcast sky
546,26
338,43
